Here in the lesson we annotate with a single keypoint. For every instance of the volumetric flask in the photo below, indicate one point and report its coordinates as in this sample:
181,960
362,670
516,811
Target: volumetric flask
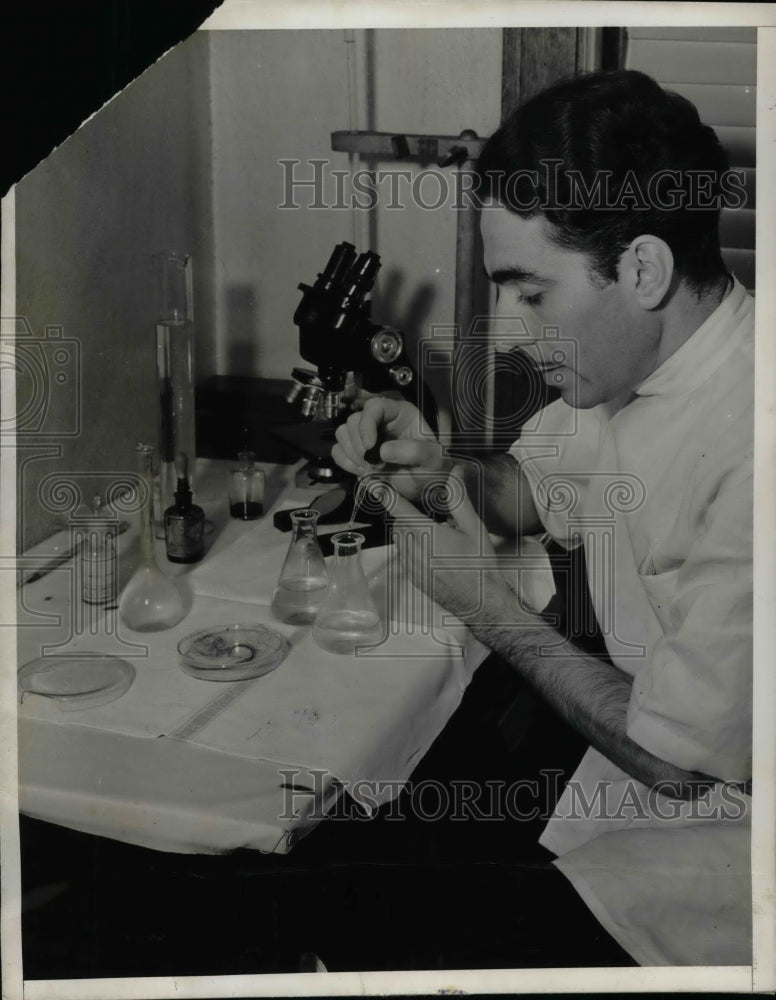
150,602
303,579
348,617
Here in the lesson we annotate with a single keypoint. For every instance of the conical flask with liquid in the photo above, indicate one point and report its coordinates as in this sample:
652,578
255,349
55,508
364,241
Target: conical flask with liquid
303,579
348,617
150,602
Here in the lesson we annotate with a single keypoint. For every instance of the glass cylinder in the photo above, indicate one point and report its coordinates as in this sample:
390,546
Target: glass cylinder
303,579
150,602
98,558
175,368
348,617
246,488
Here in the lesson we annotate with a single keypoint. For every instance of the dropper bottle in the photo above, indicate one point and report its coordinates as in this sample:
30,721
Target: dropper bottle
184,521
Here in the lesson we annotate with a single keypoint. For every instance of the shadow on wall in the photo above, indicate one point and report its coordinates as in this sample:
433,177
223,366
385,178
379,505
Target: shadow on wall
242,322
413,321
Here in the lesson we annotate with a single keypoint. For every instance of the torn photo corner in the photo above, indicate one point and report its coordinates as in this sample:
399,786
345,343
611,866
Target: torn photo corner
214,132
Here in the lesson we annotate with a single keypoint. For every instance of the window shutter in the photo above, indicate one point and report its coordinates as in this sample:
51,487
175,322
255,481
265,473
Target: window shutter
716,69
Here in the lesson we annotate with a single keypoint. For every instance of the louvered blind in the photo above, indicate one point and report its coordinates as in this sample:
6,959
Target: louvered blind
716,69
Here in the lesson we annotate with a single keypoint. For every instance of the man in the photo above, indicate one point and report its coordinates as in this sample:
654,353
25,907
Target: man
600,230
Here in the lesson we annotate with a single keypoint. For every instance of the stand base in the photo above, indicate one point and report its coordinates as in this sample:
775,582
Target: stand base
314,472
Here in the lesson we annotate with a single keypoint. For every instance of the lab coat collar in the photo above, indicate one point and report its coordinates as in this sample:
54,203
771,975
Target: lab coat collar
705,351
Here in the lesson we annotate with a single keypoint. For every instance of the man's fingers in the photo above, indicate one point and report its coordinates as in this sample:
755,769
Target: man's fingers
343,452
377,412
460,506
382,490
343,459
361,430
348,451
408,452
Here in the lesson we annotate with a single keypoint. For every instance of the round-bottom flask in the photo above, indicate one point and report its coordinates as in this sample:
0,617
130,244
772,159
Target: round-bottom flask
348,617
303,579
151,602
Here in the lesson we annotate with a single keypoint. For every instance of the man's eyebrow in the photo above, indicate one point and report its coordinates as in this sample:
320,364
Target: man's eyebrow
504,274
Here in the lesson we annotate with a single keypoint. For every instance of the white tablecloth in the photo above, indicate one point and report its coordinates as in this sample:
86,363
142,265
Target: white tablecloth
363,718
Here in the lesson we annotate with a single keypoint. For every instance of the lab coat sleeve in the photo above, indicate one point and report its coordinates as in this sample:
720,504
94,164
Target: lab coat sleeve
691,703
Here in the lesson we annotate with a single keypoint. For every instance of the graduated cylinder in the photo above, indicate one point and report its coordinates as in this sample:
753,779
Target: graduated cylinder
175,369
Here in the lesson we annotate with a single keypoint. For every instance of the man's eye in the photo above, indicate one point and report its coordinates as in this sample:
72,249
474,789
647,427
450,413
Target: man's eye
532,300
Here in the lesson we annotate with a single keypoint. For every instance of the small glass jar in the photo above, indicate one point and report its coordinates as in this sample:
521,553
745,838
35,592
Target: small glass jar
98,558
246,488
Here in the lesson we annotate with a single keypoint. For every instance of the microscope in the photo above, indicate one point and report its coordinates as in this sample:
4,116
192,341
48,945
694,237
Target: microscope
338,336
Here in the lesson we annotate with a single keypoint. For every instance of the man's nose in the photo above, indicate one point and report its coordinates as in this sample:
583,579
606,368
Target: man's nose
514,326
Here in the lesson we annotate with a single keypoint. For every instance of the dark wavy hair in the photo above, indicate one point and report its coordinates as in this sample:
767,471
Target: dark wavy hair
606,157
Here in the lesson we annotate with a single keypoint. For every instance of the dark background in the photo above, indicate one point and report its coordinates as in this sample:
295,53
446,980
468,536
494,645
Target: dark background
62,61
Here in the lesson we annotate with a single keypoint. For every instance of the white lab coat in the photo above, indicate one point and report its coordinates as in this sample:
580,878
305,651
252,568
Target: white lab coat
659,491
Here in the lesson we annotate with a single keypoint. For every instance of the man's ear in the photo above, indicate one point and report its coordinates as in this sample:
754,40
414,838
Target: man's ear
648,265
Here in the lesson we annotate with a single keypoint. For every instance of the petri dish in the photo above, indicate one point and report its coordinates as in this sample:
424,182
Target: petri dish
232,652
76,681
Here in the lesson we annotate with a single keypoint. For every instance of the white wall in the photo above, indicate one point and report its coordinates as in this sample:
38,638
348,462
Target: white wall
279,95
441,82
131,181
275,95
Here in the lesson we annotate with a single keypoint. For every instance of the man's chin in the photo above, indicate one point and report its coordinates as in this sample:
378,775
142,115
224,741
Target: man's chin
578,396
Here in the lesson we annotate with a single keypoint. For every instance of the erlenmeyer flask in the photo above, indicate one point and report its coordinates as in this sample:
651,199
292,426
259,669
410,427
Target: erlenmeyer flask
303,579
150,602
348,617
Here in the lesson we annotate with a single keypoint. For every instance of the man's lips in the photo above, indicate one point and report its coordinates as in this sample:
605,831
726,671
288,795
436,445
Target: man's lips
546,369
556,374
543,367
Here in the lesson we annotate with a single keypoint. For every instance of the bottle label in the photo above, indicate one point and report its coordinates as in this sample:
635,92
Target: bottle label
184,536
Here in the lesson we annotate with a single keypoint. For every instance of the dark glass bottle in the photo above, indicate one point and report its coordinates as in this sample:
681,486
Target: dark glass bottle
184,521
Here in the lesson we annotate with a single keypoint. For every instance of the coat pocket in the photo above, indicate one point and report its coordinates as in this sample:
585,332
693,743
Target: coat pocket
660,589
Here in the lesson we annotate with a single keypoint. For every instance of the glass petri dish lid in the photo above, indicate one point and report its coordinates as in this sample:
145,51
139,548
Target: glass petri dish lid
232,652
76,681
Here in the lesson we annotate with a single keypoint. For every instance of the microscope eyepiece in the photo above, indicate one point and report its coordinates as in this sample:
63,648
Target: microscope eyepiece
338,266
364,272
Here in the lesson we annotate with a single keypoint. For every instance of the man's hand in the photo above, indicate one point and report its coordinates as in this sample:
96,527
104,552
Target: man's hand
410,454
454,563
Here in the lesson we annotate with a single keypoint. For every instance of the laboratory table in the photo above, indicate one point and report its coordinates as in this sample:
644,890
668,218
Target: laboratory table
179,764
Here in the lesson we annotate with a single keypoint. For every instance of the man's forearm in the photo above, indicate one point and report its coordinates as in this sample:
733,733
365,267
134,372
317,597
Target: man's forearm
591,695
501,496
